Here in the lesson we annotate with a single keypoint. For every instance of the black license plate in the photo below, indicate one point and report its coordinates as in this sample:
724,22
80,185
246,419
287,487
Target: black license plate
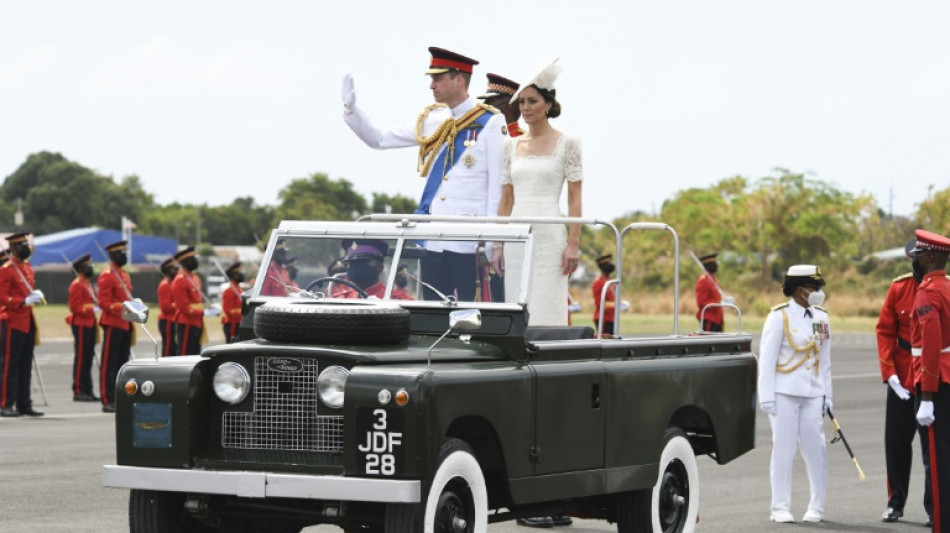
379,443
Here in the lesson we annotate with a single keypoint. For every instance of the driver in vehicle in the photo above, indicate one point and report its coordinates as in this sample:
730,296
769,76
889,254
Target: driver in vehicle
364,264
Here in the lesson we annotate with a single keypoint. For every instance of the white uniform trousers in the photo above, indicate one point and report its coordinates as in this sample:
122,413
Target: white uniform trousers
798,424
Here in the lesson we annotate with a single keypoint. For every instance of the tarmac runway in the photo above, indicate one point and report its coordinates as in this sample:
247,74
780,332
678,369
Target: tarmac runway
50,467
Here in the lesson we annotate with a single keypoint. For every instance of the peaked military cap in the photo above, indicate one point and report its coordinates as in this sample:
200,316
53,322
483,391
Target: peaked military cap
445,61
18,237
364,248
188,251
928,241
708,258
83,260
117,246
233,268
499,86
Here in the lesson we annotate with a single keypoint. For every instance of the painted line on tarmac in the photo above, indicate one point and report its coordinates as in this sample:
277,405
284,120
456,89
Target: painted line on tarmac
856,376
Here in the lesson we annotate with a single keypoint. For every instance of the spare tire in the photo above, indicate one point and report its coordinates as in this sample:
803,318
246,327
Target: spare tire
332,323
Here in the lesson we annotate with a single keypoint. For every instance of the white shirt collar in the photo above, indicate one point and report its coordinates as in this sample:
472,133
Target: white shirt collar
463,108
797,310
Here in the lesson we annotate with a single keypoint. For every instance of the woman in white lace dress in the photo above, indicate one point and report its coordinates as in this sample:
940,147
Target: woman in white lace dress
536,166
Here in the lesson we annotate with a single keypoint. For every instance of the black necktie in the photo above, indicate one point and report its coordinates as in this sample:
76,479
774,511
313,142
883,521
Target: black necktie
807,313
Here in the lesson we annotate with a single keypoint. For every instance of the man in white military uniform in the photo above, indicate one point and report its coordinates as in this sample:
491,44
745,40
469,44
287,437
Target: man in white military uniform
460,154
795,388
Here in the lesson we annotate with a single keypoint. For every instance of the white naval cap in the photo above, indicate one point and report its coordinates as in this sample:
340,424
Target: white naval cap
804,271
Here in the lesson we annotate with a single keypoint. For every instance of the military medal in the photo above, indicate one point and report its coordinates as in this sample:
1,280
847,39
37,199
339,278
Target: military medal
469,159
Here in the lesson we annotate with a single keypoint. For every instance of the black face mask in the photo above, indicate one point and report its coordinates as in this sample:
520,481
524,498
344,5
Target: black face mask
402,281
119,258
292,272
190,263
24,252
87,271
608,268
712,268
239,277
363,274
280,256
917,268
170,272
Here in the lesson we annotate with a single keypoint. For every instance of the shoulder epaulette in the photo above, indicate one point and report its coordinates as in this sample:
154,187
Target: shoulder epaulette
780,306
822,309
902,277
491,109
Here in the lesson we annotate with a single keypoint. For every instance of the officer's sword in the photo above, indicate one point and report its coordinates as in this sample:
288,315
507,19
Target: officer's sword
839,435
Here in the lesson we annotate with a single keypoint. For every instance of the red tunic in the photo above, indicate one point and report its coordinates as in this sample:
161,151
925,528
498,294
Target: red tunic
81,303
231,304
16,283
609,301
187,296
115,287
933,324
167,310
707,293
894,331
273,287
377,290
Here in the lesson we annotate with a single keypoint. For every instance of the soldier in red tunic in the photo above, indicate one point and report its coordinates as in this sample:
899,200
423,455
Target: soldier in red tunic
364,264
277,280
932,305
17,298
83,305
186,291
500,91
606,265
168,310
708,292
894,335
231,302
115,288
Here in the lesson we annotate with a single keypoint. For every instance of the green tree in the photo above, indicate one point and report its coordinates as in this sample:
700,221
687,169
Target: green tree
933,214
396,204
319,198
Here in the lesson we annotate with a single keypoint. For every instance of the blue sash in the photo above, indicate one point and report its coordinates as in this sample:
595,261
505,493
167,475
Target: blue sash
442,165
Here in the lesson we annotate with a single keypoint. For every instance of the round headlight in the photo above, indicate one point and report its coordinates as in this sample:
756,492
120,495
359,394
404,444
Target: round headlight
231,383
331,385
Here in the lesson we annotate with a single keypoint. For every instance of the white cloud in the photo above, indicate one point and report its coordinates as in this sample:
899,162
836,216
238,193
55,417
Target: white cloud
19,68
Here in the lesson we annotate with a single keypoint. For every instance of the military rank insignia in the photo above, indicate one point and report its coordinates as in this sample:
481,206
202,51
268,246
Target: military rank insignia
469,159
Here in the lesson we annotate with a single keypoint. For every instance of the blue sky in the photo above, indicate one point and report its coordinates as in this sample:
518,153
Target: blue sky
207,101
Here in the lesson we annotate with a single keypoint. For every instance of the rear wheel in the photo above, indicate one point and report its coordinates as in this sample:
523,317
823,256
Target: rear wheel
672,506
456,502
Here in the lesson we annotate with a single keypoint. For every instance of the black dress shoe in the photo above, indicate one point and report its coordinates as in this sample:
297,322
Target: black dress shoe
9,413
561,520
84,398
891,515
538,521
29,411
108,408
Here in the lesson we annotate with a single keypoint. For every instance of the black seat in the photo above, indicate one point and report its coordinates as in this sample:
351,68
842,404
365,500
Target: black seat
558,333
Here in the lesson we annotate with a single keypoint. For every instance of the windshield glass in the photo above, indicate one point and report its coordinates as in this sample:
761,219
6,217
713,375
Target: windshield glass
393,268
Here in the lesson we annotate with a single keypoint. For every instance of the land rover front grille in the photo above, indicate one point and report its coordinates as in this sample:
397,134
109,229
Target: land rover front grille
285,412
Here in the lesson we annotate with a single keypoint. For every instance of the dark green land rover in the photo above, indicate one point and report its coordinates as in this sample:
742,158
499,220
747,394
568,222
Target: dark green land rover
373,412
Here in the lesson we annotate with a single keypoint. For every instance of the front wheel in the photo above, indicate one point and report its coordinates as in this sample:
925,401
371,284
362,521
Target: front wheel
672,506
152,511
456,502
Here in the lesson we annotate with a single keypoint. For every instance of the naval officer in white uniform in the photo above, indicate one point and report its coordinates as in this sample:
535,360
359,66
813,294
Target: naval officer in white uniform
460,155
795,388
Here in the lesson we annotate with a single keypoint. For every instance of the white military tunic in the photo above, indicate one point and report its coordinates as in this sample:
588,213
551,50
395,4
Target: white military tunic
473,189
798,381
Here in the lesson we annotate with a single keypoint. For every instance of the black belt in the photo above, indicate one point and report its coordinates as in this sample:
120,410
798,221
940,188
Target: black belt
903,344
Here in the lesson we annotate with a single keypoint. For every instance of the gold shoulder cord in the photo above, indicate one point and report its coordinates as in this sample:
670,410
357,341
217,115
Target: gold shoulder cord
445,133
808,351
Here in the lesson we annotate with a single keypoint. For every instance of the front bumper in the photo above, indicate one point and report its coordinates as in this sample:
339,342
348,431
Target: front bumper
262,484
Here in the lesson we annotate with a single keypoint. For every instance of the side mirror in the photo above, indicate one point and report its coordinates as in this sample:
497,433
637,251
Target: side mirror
465,320
134,311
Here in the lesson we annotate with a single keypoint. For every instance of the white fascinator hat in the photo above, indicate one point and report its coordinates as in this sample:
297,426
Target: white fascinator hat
542,77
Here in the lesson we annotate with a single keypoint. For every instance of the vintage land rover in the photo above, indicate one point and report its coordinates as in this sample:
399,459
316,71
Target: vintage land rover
428,414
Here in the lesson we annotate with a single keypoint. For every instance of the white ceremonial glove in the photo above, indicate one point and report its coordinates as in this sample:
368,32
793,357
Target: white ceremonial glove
828,405
729,300
96,309
624,305
925,415
348,92
574,307
35,296
768,408
212,311
899,389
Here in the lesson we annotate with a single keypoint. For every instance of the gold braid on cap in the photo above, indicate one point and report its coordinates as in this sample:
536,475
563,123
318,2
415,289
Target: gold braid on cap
445,133
804,353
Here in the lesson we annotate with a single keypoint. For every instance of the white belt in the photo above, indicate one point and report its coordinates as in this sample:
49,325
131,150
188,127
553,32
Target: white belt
917,352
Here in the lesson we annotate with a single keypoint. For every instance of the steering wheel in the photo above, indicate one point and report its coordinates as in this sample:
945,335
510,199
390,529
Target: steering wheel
354,286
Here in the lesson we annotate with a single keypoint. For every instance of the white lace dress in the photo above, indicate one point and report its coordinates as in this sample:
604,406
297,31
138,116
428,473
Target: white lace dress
538,181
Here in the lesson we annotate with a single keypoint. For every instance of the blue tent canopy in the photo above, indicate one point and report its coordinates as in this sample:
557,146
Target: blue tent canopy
50,249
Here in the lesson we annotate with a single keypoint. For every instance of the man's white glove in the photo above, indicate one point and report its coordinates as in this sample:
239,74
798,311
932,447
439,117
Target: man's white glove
828,406
96,309
925,414
35,296
348,92
729,300
768,408
212,311
899,389
624,305
574,307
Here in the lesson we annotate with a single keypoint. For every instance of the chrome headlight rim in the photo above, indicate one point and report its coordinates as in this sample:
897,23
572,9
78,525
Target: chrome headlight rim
331,386
237,380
